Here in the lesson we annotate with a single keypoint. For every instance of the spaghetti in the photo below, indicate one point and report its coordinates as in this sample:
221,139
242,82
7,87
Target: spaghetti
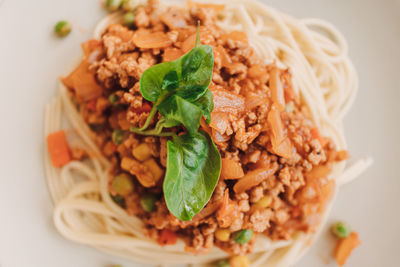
323,75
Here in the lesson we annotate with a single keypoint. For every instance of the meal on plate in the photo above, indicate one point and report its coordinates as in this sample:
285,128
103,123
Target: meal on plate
201,133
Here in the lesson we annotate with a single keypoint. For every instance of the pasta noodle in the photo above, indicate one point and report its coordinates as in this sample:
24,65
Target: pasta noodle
323,75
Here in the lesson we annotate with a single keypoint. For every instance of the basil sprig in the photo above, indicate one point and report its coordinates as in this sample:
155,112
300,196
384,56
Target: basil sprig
179,90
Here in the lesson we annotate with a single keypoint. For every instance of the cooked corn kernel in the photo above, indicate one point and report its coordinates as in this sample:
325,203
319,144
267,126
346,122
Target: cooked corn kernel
126,163
154,169
142,152
223,234
239,261
263,203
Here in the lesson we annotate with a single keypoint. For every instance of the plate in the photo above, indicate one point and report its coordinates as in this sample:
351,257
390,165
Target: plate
31,59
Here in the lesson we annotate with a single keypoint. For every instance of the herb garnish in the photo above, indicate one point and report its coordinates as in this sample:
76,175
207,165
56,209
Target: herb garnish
179,90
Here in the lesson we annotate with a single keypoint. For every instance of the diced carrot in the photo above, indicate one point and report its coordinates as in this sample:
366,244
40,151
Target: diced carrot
345,246
91,105
253,178
277,92
145,39
58,148
167,237
82,81
231,169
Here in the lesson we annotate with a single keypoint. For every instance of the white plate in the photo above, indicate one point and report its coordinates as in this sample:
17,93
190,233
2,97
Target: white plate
31,58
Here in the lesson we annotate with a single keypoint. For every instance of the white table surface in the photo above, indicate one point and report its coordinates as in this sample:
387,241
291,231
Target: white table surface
31,58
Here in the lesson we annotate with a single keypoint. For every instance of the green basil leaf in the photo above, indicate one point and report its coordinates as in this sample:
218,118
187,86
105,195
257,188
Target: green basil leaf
170,81
206,104
177,109
152,80
196,72
193,169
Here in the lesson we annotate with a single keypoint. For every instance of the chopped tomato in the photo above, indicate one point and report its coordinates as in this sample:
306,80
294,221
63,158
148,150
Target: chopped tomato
167,237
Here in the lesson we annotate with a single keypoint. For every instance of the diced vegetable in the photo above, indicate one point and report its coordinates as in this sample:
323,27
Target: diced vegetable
148,202
154,168
118,136
231,169
145,39
62,28
226,101
129,19
172,53
345,246
220,121
142,152
167,237
122,184
277,92
227,212
58,148
222,234
253,178
264,202
222,263
341,229
82,81
281,145
126,163
243,236
113,5
239,261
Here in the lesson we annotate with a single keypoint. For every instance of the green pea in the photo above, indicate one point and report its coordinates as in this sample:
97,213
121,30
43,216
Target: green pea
148,202
129,19
113,99
222,263
62,28
341,229
243,236
128,5
122,184
118,136
113,5
118,265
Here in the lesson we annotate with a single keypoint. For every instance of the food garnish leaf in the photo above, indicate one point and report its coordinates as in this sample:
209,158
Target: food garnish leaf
193,168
